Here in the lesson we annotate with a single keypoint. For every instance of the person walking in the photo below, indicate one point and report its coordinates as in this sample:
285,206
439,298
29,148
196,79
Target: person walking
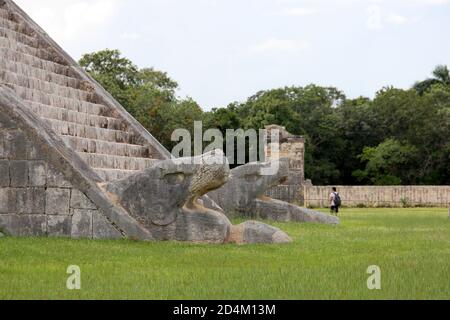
335,201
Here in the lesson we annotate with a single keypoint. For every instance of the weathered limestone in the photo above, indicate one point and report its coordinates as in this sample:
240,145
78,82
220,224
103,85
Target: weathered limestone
79,200
4,173
60,226
166,200
51,84
102,228
257,232
244,196
36,199
24,225
379,196
58,201
277,210
291,147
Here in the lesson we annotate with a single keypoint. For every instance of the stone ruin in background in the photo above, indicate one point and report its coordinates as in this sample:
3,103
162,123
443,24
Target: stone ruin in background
74,163
291,147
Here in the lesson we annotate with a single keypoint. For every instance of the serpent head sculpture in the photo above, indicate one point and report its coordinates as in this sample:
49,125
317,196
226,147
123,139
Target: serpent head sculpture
167,200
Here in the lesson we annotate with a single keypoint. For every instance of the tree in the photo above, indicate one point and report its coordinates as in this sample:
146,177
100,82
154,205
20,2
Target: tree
390,163
441,75
310,111
116,74
358,129
148,95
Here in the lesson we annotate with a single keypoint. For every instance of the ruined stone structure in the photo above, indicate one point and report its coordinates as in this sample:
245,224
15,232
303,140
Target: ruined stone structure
379,196
244,196
74,163
291,147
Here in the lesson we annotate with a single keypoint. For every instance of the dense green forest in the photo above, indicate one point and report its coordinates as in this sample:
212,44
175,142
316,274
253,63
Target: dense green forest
399,137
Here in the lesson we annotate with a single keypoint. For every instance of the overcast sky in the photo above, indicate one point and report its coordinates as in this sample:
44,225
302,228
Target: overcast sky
222,51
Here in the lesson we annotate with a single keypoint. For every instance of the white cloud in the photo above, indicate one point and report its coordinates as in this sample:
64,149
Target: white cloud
274,45
397,19
73,19
433,2
130,36
298,12
377,18
82,17
374,21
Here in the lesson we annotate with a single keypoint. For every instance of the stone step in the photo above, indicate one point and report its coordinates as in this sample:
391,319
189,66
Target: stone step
34,42
45,86
50,66
80,107
5,14
64,128
15,26
44,75
104,147
58,101
102,161
111,174
43,54
86,119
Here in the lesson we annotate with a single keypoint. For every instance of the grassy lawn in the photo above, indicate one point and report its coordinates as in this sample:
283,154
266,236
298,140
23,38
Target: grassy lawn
411,246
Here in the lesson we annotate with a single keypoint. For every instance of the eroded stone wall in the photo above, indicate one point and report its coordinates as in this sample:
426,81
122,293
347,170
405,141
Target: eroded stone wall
292,147
380,196
37,200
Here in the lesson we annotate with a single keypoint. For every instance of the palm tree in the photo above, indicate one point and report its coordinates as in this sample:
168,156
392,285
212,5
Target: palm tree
441,75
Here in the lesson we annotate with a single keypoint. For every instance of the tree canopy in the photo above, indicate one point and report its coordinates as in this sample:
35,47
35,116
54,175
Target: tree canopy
148,95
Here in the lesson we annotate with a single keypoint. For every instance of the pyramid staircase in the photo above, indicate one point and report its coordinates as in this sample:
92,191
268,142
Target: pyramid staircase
71,103
63,137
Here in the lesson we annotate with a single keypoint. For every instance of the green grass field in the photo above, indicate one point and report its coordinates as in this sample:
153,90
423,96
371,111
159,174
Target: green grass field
411,246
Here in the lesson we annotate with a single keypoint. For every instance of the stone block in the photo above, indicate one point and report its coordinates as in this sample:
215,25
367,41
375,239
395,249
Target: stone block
4,173
24,225
35,152
37,173
57,201
102,228
7,201
30,200
6,123
3,153
82,223
18,171
15,145
253,232
55,179
79,200
5,224
59,226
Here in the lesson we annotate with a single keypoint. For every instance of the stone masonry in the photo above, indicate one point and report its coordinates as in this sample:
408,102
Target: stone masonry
36,199
291,147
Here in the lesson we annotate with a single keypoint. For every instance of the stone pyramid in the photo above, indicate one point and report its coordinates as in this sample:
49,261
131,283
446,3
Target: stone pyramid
85,116
64,139
100,139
